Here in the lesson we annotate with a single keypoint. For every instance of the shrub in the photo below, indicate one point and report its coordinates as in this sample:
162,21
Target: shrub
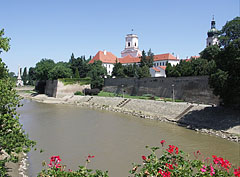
174,162
78,93
56,169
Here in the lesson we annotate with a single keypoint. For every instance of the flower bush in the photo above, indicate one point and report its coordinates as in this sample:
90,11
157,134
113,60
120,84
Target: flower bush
174,162
56,169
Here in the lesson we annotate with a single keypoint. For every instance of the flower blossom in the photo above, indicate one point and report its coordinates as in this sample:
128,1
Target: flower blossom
162,142
237,172
144,157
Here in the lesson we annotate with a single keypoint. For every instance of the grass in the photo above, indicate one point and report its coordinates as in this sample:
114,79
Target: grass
145,97
81,81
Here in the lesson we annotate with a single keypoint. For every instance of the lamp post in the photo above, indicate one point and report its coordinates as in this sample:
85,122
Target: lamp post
122,91
173,96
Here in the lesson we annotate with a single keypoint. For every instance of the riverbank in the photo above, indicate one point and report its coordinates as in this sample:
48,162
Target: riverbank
216,121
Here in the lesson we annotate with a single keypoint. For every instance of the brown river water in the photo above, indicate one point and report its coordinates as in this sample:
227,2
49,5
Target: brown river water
116,140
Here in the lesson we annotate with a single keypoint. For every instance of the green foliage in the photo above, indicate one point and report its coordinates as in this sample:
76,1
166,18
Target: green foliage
118,70
226,81
60,70
58,170
97,73
174,162
76,74
32,75
13,139
230,32
81,64
43,69
4,42
81,81
210,52
25,76
78,93
147,60
143,71
193,67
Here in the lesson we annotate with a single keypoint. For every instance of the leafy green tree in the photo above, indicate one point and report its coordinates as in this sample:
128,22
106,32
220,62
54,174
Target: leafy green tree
210,52
32,75
4,42
230,32
76,74
13,139
226,81
25,76
43,69
143,71
143,60
79,63
60,70
150,58
97,73
118,70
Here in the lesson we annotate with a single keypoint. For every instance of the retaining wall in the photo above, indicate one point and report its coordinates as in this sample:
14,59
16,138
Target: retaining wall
191,89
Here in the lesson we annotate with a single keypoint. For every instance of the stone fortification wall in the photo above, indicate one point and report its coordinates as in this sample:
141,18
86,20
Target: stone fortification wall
57,89
191,89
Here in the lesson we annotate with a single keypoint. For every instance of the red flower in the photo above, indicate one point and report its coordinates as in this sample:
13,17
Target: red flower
171,149
143,157
237,172
170,166
89,156
162,142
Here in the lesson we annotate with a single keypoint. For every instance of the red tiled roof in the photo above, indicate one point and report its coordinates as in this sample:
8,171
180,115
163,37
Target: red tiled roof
166,56
158,68
108,58
129,59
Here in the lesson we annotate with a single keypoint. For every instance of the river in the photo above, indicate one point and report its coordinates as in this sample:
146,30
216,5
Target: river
116,140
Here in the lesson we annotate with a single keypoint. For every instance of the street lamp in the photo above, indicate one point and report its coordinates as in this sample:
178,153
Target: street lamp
122,91
173,96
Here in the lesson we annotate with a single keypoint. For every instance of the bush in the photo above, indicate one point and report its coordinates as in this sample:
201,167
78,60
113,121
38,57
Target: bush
91,91
81,81
78,93
174,162
58,170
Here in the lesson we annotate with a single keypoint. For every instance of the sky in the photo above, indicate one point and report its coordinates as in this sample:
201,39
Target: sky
54,29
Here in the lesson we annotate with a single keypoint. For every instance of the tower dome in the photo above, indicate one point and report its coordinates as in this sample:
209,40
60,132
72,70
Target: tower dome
212,34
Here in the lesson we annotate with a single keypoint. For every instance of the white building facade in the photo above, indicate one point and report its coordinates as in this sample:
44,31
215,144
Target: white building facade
131,46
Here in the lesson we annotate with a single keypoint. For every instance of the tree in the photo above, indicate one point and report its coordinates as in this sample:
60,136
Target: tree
60,70
43,68
13,139
4,42
25,76
210,52
230,32
150,58
97,73
76,74
144,72
118,70
226,81
32,75
143,60
79,63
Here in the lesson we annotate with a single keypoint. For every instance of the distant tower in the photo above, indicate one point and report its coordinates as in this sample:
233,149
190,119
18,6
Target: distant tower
19,79
212,34
131,46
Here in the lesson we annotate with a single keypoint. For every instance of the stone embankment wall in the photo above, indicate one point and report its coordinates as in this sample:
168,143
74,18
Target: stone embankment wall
57,89
190,89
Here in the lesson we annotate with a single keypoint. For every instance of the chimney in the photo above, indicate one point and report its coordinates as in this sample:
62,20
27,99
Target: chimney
104,52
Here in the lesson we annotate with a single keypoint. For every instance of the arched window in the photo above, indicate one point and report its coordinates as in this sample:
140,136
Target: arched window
135,44
128,44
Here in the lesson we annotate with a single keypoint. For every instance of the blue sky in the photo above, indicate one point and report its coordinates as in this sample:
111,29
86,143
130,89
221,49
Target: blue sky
56,28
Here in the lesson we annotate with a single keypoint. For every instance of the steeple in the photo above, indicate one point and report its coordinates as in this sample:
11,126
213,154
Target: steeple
212,34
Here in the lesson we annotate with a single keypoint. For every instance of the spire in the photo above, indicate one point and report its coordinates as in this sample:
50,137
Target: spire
213,23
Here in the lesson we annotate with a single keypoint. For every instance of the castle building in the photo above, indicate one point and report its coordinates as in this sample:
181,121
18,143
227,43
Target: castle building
131,54
212,38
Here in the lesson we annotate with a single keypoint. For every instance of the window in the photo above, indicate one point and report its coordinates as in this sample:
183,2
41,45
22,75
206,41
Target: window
135,44
128,44
160,64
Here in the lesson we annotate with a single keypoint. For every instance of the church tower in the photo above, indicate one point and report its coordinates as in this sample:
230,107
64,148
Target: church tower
212,34
131,46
